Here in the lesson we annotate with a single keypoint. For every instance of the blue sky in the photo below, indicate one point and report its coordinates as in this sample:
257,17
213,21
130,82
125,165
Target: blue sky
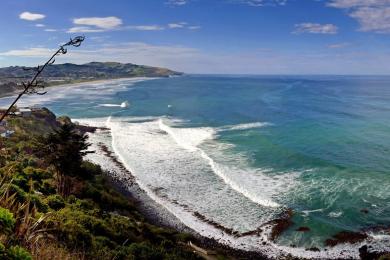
204,36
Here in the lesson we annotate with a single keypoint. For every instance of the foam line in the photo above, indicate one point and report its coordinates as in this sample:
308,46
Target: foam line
191,145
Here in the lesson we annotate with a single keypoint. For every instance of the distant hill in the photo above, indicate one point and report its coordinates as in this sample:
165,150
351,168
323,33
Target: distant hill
11,77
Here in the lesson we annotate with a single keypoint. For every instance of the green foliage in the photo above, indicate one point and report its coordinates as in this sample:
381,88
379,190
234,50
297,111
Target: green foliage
3,251
7,221
95,221
100,192
18,253
90,169
55,202
144,251
64,149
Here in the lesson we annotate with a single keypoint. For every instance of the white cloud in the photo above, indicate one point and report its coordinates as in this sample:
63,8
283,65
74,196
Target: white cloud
372,15
262,2
315,28
105,23
39,25
95,24
339,45
177,25
357,3
50,30
146,27
183,25
32,52
177,2
31,16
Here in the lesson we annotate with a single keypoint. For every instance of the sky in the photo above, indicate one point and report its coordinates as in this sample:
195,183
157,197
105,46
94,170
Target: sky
204,36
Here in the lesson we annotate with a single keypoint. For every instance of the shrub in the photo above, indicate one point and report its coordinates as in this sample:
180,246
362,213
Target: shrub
90,170
7,220
38,203
2,251
55,202
18,253
47,187
144,251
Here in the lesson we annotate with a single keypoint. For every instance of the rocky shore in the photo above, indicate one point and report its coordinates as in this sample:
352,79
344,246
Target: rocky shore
123,180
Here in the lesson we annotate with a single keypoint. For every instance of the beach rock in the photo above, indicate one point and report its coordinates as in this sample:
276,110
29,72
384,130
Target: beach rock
313,249
346,237
281,224
366,255
303,229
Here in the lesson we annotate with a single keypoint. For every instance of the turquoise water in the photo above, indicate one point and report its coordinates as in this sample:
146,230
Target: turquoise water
239,150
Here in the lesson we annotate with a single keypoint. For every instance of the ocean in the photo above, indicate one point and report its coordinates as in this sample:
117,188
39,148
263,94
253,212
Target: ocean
240,150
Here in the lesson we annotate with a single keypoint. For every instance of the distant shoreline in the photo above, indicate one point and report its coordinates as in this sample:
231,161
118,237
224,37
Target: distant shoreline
77,83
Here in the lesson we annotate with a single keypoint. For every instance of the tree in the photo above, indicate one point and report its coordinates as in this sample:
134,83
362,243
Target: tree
64,149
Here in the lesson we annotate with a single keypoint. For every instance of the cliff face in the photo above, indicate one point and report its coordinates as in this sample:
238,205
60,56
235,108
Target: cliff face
56,74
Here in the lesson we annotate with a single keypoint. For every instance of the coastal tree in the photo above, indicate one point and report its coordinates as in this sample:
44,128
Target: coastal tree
64,150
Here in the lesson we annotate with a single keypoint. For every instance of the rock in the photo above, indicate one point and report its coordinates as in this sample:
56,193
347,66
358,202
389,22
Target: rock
346,237
366,255
281,224
313,249
303,229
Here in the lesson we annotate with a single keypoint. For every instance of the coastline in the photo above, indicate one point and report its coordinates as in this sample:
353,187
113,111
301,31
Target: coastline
81,82
125,182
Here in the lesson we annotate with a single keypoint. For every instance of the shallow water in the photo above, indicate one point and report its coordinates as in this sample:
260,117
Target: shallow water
239,150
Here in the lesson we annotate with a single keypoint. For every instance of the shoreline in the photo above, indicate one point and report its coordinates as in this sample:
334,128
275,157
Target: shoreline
125,182
159,214
78,83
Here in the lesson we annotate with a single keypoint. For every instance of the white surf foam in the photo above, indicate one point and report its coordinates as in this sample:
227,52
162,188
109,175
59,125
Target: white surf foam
88,91
121,132
243,126
252,183
122,105
188,138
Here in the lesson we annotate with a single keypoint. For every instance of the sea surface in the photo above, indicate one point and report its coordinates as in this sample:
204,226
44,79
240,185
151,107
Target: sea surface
240,150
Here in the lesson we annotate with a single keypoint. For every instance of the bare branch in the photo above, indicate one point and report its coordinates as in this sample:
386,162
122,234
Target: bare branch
31,87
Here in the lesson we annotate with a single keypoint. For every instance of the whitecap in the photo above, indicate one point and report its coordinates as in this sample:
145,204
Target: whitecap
244,126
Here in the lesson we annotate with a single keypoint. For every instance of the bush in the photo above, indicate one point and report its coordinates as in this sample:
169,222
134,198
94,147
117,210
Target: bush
2,251
47,187
55,202
18,253
7,220
144,251
90,170
38,203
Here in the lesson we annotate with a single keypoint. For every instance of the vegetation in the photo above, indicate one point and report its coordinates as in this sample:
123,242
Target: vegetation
11,77
54,205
